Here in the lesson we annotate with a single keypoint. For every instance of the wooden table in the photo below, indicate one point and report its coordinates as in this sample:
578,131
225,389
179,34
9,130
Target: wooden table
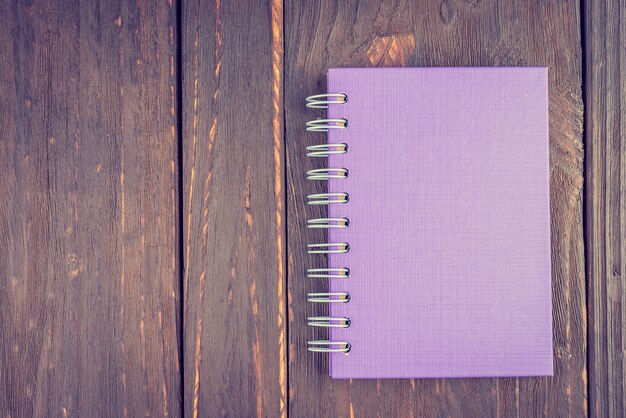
152,202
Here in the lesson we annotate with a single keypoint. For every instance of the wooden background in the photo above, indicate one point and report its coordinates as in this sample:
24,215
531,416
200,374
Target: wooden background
152,239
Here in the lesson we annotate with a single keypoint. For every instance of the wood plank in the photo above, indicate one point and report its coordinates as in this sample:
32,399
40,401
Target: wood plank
89,273
605,196
234,230
322,34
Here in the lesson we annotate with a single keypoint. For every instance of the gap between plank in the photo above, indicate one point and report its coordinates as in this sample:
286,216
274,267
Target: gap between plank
585,197
179,235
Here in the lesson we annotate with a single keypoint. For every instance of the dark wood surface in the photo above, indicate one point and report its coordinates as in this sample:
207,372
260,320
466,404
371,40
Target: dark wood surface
89,300
233,218
605,220
152,202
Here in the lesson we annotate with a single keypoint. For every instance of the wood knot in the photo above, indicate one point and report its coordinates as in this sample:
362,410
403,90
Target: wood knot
75,265
392,50
446,12
563,353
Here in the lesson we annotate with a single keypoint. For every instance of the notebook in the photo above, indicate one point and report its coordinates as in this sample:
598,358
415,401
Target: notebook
438,223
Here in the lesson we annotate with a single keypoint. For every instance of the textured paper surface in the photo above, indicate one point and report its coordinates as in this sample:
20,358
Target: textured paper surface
449,222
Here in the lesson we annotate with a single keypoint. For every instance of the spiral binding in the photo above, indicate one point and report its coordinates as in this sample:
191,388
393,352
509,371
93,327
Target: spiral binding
341,273
327,223
328,322
325,125
321,101
329,248
327,173
327,198
329,297
324,150
325,346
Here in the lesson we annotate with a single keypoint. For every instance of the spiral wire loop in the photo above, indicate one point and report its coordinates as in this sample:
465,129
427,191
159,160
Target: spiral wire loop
329,297
325,125
326,273
324,150
328,322
321,101
329,248
327,198
327,173
325,346
326,223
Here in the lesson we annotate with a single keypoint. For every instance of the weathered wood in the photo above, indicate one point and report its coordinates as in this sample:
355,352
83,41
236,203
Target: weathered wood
233,199
605,196
89,270
89,207
323,34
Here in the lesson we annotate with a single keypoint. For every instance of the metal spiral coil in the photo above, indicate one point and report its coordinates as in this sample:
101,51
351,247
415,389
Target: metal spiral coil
329,297
322,101
327,198
327,173
327,223
325,125
325,346
324,150
328,322
329,248
338,273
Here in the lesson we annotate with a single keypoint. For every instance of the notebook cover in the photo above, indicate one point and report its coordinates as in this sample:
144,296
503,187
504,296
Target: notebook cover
449,222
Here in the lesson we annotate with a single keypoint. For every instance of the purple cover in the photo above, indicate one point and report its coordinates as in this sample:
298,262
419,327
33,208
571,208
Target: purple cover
449,222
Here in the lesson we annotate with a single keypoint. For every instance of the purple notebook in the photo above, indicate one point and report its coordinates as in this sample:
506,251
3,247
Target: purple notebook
449,222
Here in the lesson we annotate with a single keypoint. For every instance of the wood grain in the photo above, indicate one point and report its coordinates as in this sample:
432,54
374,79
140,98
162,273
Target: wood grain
233,200
605,192
89,270
323,34
90,202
